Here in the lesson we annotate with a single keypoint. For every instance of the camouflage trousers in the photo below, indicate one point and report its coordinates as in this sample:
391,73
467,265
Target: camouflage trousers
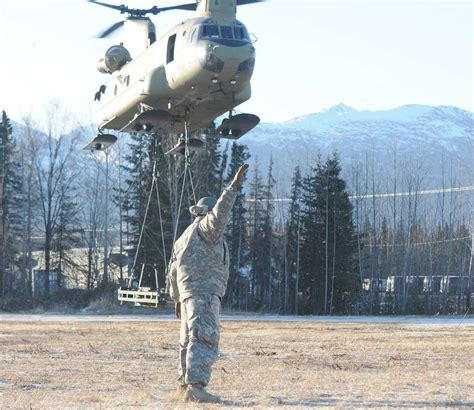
199,339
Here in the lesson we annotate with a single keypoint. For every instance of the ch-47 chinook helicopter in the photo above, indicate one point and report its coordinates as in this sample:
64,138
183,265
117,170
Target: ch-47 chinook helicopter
199,70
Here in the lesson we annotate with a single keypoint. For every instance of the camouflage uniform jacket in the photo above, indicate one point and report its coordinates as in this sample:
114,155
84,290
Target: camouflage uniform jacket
200,260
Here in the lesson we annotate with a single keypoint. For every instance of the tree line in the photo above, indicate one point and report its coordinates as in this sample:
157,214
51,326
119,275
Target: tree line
318,252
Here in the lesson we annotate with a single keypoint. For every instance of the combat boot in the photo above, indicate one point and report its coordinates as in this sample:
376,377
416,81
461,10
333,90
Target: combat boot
180,390
199,395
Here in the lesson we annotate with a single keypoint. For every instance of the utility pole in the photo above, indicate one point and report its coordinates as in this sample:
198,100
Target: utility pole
120,211
297,259
2,231
469,281
106,218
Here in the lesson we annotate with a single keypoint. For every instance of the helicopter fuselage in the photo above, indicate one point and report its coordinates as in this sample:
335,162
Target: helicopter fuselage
202,66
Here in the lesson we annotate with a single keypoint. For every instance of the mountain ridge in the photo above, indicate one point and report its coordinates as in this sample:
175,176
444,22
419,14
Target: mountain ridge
422,136
436,140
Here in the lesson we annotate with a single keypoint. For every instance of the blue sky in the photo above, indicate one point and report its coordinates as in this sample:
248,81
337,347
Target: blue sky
311,55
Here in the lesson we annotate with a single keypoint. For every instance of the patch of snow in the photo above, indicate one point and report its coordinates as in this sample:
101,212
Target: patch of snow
339,109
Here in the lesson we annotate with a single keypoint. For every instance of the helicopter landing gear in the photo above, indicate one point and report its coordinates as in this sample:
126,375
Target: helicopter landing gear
101,142
236,126
151,120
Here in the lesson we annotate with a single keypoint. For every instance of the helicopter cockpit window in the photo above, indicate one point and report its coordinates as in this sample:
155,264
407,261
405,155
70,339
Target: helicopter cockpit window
209,31
241,33
226,32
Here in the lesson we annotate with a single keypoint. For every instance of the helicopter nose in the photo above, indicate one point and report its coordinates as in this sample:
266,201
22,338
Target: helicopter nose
235,60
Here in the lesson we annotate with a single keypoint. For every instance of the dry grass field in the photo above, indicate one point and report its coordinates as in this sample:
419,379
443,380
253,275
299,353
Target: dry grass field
262,364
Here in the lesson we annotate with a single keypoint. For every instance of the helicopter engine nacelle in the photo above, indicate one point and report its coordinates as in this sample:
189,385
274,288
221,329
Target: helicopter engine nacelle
115,58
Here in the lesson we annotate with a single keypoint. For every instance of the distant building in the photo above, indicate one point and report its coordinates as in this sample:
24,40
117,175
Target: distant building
41,286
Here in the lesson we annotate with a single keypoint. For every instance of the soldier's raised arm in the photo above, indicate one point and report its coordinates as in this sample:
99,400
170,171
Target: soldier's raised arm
212,226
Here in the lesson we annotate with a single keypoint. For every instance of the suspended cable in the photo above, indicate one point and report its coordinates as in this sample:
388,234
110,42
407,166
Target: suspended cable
387,195
418,243
191,182
187,170
144,219
160,213
425,192
188,154
180,204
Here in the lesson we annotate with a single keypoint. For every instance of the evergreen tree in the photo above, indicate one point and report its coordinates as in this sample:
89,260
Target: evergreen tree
10,205
267,256
236,231
342,246
292,244
223,165
28,152
312,237
206,168
256,234
329,249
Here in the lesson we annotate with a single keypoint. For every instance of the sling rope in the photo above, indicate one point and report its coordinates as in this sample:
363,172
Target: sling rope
144,220
154,184
187,170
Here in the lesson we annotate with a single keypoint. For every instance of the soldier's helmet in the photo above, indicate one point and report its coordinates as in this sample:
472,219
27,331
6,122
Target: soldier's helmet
203,206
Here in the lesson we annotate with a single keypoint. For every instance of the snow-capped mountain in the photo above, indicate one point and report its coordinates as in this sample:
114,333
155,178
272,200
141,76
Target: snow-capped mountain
435,143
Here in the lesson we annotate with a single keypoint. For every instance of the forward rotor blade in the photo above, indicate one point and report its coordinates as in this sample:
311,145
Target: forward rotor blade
111,29
190,6
244,2
121,8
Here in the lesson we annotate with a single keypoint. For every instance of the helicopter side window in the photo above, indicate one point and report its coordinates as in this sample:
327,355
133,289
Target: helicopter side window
226,32
241,33
170,52
209,31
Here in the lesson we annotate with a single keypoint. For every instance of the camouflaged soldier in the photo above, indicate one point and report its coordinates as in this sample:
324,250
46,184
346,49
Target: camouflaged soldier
198,277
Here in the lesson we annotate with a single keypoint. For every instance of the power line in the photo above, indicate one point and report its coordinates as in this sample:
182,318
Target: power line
425,192
419,243
386,195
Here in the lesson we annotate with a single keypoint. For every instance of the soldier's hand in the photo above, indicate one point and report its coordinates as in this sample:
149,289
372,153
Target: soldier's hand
177,309
239,177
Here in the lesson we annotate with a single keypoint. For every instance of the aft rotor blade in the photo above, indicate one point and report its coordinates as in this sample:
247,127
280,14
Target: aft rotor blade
111,29
122,8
